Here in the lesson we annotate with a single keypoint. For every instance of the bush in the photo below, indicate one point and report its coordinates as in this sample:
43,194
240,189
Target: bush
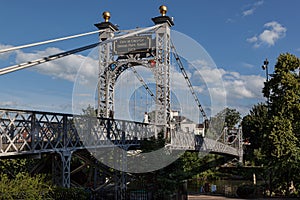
60,193
24,186
246,191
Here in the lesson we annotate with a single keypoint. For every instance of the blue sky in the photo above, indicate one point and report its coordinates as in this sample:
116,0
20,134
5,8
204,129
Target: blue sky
238,35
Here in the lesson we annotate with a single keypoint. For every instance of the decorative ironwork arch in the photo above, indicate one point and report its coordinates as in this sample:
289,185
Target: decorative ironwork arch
111,66
111,74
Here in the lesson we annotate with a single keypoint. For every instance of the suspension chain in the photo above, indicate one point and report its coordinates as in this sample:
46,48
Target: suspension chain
188,81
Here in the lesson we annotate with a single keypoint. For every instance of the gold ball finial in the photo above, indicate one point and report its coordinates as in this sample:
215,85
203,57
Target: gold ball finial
163,10
106,16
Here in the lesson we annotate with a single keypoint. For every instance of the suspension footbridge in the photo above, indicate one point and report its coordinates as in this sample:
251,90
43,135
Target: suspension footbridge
27,132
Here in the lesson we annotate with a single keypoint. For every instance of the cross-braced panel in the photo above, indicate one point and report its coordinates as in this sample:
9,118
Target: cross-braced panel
105,84
162,77
183,140
28,132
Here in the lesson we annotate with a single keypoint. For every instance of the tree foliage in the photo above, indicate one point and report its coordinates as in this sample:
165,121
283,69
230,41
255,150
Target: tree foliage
75,193
227,117
274,129
283,89
12,167
24,186
254,129
89,111
281,145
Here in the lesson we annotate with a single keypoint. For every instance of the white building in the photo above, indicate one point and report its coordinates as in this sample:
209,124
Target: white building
186,124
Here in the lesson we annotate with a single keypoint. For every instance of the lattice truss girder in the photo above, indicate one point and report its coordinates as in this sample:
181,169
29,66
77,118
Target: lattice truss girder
23,131
162,76
188,141
183,140
27,132
105,89
100,175
224,144
214,146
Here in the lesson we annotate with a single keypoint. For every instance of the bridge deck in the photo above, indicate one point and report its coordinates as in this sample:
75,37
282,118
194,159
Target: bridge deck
31,132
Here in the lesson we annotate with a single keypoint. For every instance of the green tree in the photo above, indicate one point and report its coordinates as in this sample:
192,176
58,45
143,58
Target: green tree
12,167
227,117
283,90
281,145
24,186
232,117
254,128
89,111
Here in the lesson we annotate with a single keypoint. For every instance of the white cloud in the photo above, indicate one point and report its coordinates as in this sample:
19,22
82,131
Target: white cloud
248,65
271,36
240,91
216,82
230,20
34,100
64,68
252,39
272,33
251,8
10,104
259,3
4,56
248,12
240,86
243,91
210,75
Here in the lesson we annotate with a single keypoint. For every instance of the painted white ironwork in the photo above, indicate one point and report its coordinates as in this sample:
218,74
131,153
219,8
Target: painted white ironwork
105,80
48,41
162,77
111,66
31,132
